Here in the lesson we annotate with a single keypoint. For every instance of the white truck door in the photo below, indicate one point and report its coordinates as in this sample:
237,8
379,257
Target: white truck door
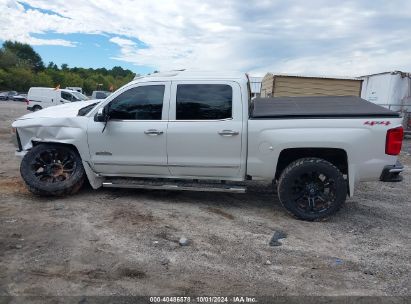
134,140
204,131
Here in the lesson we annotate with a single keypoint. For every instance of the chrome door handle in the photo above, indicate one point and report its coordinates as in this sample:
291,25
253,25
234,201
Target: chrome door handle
228,133
153,132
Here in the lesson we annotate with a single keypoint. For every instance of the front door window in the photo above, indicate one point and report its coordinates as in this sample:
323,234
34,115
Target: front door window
139,103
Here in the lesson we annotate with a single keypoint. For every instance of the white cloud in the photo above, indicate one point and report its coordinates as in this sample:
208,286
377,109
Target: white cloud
122,42
37,41
315,37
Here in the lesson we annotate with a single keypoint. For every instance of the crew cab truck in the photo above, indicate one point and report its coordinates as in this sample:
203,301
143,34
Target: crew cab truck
199,131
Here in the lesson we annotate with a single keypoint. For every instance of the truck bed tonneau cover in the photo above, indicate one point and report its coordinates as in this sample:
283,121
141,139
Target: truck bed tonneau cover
317,107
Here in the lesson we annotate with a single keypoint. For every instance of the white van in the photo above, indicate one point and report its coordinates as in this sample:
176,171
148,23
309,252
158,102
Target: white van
39,98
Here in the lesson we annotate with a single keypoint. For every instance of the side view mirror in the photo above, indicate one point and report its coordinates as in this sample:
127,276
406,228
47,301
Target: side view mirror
101,115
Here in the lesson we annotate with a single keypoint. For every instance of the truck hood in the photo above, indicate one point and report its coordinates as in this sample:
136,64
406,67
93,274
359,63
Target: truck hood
64,110
60,124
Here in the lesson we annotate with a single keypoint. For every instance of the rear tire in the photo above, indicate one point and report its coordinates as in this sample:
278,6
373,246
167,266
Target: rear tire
36,108
312,189
52,170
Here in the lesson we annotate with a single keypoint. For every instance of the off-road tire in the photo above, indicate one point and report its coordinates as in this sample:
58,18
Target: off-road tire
289,185
71,183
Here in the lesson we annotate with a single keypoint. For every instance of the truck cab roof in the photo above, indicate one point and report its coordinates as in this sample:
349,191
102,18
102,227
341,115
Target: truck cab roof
191,75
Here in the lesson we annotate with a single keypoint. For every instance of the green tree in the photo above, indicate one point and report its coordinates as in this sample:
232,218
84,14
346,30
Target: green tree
57,76
71,80
119,71
8,59
52,66
42,79
26,53
3,78
19,79
89,86
21,67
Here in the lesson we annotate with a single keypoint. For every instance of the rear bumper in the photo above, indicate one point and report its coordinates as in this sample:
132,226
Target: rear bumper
391,173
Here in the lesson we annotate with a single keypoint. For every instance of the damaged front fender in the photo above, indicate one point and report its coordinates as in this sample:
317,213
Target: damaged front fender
62,130
70,130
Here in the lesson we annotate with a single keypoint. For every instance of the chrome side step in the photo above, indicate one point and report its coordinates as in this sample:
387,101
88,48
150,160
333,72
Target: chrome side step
208,187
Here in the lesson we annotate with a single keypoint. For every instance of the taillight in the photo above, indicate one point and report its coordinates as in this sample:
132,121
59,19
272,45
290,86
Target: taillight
27,101
393,141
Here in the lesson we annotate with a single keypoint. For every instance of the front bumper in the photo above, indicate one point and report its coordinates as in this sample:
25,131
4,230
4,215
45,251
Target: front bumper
20,154
391,173
15,139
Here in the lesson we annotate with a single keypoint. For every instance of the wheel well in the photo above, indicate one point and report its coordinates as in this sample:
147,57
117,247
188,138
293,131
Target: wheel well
36,143
338,157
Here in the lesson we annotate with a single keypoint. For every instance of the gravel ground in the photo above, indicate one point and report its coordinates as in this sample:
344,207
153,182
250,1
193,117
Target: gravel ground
124,242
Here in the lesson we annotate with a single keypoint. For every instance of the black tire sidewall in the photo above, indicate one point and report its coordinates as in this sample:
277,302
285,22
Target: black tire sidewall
51,188
295,170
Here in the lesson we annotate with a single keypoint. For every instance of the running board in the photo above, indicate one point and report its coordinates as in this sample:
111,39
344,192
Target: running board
211,187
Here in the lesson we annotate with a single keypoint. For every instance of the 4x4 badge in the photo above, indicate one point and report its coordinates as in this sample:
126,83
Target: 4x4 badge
377,122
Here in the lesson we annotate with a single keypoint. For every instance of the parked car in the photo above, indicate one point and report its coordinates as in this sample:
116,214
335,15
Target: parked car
100,94
198,131
39,98
20,97
7,95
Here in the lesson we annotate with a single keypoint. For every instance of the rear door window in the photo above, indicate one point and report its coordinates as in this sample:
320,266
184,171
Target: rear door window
204,101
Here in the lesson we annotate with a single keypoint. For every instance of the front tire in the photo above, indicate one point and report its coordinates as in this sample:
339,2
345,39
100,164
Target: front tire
312,188
52,170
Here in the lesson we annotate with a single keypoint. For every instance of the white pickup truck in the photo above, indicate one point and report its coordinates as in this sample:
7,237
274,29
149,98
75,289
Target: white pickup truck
200,131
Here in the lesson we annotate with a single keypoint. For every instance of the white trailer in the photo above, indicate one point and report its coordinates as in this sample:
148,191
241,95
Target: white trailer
391,90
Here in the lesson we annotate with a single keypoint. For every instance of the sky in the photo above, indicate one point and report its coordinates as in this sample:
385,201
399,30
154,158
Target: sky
316,37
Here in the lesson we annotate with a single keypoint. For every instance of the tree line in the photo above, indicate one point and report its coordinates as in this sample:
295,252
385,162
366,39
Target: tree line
21,68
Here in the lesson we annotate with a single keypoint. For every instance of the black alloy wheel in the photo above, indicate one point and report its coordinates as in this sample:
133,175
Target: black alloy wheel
52,169
312,188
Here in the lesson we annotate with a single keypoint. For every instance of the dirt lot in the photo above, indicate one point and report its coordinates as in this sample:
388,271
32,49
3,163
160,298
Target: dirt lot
123,242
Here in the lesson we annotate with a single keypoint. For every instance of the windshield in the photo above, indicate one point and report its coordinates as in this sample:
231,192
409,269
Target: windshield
79,96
